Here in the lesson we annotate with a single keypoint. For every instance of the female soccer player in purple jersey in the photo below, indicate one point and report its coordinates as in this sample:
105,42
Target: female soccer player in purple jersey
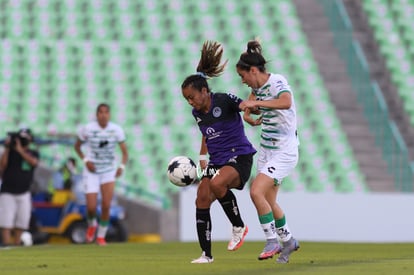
278,152
223,138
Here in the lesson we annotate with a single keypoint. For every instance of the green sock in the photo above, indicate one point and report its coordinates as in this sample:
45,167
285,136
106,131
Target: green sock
281,222
103,223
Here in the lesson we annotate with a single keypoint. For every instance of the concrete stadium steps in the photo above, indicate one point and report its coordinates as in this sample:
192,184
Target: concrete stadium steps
333,71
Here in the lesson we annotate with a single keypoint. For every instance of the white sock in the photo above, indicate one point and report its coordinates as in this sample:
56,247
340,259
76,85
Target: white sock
284,233
102,231
92,222
269,230
268,225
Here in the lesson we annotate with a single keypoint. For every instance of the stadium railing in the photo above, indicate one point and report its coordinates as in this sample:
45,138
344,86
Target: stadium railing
370,95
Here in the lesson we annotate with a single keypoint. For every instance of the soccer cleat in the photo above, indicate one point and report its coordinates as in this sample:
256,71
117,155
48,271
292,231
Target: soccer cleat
287,249
271,248
100,241
203,259
237,238
90,234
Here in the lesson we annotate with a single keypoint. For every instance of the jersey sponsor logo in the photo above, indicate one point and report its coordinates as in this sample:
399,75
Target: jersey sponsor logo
217,112
103,143
210,131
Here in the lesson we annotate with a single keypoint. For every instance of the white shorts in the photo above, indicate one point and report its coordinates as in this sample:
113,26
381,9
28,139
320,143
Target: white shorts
15,210
92,181
277,164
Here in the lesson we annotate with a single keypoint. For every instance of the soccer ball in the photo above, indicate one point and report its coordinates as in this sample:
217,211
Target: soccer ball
182,171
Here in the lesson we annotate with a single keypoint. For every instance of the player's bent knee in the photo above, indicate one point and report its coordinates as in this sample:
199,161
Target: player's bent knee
256,194
219,188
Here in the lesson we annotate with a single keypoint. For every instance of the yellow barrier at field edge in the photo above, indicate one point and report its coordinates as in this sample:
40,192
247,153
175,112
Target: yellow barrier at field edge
133,238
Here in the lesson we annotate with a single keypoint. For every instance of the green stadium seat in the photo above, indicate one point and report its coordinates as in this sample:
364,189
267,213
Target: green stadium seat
393,29
134,55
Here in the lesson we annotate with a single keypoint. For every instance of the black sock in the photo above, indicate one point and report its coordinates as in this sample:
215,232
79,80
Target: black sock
203,221
230,207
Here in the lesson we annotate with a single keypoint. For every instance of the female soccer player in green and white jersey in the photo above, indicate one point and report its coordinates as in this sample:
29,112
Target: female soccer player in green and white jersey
272,97
101,137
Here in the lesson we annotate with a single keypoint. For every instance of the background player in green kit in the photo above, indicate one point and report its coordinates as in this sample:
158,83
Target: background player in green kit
100,137
278,152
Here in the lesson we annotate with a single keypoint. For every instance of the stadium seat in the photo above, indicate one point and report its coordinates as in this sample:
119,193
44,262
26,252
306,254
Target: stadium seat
393,29
134,55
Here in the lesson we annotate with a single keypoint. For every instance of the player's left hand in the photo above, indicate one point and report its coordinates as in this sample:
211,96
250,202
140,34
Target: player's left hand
249,119
119,172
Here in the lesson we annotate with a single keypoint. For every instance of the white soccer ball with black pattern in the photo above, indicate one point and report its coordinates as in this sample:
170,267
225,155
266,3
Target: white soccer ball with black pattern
182,171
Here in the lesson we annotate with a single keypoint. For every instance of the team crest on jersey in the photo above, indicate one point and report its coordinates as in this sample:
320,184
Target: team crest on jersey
217,112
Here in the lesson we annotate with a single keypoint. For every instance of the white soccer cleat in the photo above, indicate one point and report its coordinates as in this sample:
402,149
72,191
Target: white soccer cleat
203,259
237,238
288,248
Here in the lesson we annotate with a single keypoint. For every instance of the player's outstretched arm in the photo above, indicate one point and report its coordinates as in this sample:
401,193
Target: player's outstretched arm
124,151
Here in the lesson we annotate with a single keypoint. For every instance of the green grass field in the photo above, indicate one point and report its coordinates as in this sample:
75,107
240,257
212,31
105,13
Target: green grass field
174,258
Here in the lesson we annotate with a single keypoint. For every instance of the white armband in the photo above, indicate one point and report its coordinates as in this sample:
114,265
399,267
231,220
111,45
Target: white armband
202,157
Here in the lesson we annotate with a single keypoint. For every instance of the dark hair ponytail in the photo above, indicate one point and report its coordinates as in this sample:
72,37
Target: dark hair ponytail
252,57
208,66
254,46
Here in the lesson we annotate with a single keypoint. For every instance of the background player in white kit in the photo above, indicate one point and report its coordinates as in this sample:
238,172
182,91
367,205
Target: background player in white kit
100,137
278,153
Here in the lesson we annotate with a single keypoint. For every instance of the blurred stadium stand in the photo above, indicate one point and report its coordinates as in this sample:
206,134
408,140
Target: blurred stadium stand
392,131
59,59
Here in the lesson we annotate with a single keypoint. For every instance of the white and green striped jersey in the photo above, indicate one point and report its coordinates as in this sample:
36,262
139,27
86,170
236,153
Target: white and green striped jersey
278,126
101,143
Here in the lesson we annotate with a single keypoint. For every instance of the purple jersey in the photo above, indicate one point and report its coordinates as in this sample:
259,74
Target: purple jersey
223,128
